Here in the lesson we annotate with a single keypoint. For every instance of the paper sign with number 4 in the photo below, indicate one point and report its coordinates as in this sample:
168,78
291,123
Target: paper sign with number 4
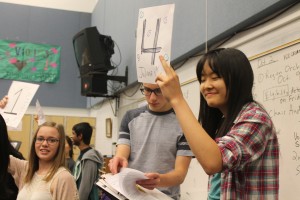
154,36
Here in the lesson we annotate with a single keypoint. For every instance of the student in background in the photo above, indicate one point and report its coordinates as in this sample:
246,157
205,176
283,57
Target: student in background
8,190
44,175
235,141
86,170
151,140
69,154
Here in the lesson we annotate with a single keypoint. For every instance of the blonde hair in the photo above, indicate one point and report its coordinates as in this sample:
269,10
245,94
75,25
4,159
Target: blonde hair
58,160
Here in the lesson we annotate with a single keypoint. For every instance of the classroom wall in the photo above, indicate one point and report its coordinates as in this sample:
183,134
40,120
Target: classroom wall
271,34
71,5
119,20
124,20
53,27
57,26
195,185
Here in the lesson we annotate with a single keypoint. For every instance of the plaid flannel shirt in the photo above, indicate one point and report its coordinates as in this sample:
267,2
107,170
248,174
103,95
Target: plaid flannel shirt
250,153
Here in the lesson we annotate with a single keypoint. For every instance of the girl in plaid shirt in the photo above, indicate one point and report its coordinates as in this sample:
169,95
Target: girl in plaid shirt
235,141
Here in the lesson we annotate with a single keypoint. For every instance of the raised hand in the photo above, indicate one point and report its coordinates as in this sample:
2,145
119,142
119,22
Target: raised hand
3,101
169,83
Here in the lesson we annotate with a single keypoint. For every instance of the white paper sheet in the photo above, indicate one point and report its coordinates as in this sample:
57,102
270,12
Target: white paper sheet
20,95
125,183
40,113
154,36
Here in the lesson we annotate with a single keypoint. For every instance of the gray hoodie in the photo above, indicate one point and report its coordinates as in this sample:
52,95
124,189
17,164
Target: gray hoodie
86,173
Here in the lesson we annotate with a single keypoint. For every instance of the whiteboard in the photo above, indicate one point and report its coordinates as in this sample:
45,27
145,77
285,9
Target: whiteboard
277,88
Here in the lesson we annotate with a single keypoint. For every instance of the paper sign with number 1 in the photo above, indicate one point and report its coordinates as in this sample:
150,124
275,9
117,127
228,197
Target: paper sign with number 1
154,36
20,95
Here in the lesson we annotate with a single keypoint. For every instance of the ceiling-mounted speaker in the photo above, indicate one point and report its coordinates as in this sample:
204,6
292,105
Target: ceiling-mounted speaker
93,85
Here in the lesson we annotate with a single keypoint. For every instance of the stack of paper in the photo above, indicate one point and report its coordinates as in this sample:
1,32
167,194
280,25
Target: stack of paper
123,186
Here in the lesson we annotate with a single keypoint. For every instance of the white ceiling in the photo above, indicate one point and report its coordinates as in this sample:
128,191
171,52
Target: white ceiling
71,5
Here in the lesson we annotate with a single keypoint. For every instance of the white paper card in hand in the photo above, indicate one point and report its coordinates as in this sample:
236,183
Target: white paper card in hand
20,95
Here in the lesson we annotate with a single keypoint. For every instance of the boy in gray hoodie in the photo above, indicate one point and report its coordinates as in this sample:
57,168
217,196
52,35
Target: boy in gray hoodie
86,170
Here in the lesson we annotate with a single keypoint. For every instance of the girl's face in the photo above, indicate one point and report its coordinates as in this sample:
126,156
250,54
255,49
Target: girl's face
47,143
213,89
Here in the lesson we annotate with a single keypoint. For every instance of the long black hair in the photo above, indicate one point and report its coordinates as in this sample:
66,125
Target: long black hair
4,156
234,67
6,191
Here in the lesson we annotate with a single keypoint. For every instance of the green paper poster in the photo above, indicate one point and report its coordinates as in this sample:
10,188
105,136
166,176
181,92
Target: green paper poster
29,62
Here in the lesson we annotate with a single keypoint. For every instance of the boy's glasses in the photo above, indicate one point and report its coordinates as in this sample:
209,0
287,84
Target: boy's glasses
147,91
50,141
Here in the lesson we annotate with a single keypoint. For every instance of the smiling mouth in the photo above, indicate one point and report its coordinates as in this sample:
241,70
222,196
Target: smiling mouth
209,94
44,151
